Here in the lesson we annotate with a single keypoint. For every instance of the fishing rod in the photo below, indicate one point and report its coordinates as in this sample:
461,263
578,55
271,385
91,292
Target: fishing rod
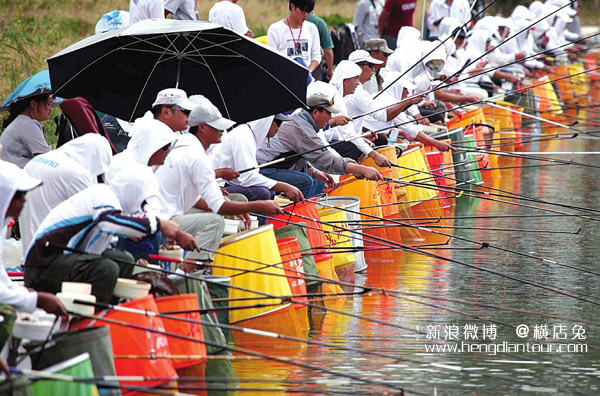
501,95
232,348
495,229
488,217
483,195
481,72
438,46
570,293
507,194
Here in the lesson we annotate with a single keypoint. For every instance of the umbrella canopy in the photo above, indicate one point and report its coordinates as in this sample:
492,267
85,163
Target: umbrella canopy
121,71
35,85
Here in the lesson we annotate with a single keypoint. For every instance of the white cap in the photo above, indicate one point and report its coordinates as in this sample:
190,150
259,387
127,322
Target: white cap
205,112
363,56
173,97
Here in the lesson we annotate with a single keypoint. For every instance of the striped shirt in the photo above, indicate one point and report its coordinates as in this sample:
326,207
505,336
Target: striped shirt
88,221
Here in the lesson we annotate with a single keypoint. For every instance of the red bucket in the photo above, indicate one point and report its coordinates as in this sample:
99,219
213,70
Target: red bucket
316,236
291,257
178,346
127,341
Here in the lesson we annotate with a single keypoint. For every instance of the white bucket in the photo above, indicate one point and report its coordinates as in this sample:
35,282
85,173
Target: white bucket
352,204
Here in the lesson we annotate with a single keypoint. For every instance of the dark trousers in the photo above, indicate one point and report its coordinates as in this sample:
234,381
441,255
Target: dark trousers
100,271
346,149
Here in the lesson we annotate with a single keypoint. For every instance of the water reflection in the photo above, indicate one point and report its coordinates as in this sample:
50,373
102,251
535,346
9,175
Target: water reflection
471,373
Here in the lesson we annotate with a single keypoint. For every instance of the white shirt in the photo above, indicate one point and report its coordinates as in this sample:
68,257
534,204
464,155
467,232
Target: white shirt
63,177
366,19
439,9
229,15
187,176
238,151
145,9
303,42
361,102
182,9
65,171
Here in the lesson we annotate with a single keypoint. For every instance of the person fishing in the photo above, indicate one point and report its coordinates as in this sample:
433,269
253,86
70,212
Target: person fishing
238,151
188,183
15,183
88,221
306,161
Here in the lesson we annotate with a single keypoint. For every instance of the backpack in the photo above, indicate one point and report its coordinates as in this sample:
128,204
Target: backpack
78,118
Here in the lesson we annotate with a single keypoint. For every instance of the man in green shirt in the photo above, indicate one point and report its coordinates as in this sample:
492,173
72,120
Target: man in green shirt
326,45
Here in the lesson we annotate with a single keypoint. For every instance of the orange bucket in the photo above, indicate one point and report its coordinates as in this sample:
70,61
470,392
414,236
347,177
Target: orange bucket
390,210
127,341
291,257
183,302
314,230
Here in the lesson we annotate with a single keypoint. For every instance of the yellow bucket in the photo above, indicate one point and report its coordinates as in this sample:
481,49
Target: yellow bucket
259,245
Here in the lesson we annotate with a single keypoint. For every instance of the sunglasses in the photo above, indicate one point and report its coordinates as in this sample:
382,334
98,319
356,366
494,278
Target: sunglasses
371,65
278,122
185,111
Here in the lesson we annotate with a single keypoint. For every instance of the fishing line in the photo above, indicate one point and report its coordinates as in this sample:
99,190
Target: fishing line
507,194
559,290
232,348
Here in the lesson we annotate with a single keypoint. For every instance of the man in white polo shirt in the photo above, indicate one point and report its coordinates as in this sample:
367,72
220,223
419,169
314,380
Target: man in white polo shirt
188,175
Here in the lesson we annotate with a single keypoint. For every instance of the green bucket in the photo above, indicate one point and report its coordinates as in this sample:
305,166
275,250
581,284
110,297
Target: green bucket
69,344
474,164
79,366
464,178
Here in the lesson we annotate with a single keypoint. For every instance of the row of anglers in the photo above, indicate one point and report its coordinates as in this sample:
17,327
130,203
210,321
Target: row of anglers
166,181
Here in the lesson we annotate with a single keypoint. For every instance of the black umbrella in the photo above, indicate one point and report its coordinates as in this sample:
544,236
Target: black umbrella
121,71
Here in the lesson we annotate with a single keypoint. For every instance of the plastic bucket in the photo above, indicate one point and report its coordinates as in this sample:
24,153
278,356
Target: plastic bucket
310,215
289,249
352,205
370,202
69,344
178,346
337,238
203,296
260,246
79,366
298,231
435,159
128,341
463,176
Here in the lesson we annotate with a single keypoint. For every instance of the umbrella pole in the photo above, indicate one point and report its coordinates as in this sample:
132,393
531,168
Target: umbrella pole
178,72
